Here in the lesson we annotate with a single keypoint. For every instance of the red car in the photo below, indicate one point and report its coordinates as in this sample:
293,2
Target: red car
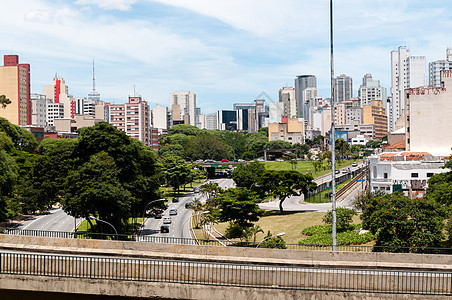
224,160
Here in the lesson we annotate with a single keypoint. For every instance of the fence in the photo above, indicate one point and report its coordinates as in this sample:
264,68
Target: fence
223,274
210,242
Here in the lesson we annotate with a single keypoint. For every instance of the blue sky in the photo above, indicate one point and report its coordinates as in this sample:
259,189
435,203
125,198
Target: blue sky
225,51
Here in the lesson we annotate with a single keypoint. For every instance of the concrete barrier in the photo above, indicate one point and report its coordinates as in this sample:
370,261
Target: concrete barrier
359,260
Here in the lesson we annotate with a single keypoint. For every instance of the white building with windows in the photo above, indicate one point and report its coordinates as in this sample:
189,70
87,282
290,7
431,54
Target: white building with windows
407,172
435,68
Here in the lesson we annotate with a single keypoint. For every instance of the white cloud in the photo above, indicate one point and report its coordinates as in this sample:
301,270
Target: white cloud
109,4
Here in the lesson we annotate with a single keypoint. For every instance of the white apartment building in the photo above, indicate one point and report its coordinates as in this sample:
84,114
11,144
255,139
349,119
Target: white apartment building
406,71
183,107
160,117
211,121
343,88
371,90
407,172
428,111
54,111
435,68
38,110
276,111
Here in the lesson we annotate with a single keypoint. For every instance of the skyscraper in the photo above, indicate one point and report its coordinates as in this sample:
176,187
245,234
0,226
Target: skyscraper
435,68
15,85
303,82
406,71
183,107
371,90
343,88
287,96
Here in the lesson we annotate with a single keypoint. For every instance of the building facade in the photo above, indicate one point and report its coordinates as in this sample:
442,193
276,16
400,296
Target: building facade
289,129
15,85
375,114
435,68
343,88
133,118
427,109
303,82
183,107
38,110
371,90
287,96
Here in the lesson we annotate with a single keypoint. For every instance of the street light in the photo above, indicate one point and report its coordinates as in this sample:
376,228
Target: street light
270,237
145,209
91,217
189,218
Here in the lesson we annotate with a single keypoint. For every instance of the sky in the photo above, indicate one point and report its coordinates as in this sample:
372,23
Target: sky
225,51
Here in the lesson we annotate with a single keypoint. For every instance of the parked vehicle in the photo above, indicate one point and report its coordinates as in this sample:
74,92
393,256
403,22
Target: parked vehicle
164,229
173,212
354,164
166,220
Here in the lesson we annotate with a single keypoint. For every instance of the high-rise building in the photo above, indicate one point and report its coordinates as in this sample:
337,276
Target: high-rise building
435,68
211,121
343,88
371,90
406,71
183,107
160,117
39,110
276,111
287,96
15,85
303,82
227,120
133,118
375,114
58,92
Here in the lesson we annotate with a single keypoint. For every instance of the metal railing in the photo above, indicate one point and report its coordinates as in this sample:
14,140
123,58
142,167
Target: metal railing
224,274
210,242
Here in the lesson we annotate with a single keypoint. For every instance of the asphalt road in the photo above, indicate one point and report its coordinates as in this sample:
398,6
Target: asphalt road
55,220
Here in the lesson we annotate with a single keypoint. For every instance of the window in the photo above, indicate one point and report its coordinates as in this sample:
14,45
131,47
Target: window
414,175
385,175
429,175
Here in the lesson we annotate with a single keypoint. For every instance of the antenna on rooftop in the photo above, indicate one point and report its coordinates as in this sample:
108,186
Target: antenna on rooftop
94,95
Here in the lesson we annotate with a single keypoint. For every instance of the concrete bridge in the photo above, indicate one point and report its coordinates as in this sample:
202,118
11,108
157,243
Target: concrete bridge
147,270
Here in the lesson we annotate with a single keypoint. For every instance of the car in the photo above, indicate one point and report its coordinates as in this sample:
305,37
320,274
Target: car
175,199
337,172
224,160
164,229
187,204
173,212
354,164
240,160
158,216
344,171
166,220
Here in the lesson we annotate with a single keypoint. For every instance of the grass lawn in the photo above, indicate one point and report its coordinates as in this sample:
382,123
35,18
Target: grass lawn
304,166
322,197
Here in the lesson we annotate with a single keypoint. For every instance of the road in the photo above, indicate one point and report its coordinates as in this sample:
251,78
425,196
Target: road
55,220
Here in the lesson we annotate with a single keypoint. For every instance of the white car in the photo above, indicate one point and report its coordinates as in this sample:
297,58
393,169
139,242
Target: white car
166,220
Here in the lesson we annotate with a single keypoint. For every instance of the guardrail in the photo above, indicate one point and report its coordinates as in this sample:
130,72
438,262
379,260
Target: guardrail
210,242
223,274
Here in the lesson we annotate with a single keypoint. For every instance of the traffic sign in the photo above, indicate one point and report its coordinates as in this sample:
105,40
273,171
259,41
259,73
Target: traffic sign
360,180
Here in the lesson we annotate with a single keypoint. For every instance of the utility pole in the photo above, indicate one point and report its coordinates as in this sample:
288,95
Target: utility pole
333,136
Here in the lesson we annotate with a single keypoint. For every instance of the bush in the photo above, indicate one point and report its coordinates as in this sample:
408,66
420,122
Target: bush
344,217
343,238
317,229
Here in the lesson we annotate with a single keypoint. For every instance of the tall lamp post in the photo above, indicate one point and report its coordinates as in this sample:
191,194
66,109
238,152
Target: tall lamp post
99,220
270,237
147,205
333,136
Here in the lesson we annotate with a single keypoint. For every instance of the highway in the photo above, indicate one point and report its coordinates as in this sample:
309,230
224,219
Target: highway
55,220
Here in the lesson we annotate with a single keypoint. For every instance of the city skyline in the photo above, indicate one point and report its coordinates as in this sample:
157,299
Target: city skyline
224,52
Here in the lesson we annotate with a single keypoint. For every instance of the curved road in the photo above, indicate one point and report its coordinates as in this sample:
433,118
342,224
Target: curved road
55,220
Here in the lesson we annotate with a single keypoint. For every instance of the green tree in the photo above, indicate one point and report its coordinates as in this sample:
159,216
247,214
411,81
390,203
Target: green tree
185,129
279,145
247,176
175,149
342,147
275,242
283,184
94,189
398,221
176,171
440,187
23,140
235,140
207,146
344,217
239,206
4,101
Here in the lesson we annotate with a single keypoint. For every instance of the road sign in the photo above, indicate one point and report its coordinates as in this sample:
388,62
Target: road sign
329,187
360,180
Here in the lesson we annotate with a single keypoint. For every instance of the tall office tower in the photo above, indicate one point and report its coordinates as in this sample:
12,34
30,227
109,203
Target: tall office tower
183,107
38,110
58,92
255,116
435,68
133,118
406,71
211,121
310,95
371,90
227,120
287,96
160,117
94,95
343,88
303,82
15,85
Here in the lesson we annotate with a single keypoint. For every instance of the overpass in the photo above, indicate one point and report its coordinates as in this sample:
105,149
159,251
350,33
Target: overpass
147,270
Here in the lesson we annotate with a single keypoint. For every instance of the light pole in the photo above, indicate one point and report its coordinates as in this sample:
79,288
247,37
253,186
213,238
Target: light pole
190,217
99,220
270,237
145,209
